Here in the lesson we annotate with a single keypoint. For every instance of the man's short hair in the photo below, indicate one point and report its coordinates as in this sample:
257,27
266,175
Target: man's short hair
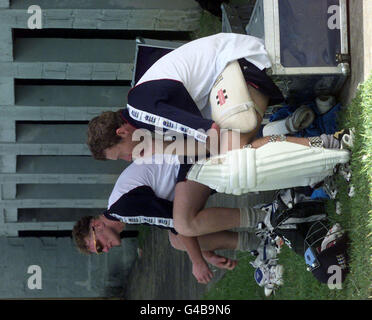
80,232
102,133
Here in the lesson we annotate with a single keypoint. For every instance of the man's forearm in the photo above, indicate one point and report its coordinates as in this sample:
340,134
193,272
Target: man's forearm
263,140
192,248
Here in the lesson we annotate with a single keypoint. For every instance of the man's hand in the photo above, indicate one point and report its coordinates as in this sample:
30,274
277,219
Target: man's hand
201,272
219,261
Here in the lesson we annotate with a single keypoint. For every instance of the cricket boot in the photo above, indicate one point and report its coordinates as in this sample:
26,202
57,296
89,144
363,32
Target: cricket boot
269,276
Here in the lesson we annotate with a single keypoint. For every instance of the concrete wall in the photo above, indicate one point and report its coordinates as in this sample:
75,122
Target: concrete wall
360,31
63,271
52,82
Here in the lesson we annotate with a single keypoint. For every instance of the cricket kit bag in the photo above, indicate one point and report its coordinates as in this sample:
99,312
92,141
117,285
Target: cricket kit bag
304,226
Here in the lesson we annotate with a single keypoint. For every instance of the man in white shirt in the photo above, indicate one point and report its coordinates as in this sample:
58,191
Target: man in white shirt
174,94
144,194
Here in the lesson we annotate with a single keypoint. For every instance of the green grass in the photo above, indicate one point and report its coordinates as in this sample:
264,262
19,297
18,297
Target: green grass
356,219
209,24
357,216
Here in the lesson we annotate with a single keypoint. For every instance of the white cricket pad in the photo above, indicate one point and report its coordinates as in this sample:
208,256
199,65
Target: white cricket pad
277,165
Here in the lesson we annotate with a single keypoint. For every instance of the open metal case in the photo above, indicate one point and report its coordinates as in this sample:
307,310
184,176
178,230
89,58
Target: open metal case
307,42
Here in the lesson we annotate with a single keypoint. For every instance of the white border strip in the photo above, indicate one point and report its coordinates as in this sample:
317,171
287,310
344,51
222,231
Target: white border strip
161,122
143,219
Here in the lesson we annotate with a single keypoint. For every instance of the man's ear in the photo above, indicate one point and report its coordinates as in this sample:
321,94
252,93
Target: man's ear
97,223
122,131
